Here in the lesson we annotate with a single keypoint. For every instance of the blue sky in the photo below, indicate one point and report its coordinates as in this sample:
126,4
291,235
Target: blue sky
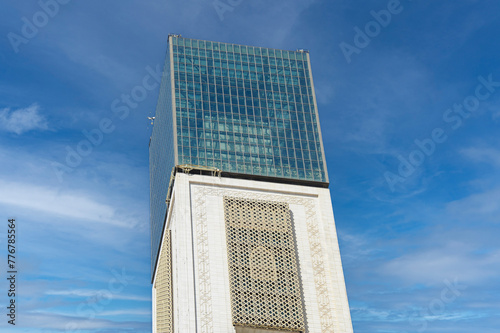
410,112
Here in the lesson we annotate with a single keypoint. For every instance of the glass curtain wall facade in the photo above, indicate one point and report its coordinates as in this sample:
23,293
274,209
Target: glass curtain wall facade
161,161
241,109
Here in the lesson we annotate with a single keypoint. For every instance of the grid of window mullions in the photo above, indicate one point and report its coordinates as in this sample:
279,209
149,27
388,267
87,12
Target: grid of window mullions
306,137
303,148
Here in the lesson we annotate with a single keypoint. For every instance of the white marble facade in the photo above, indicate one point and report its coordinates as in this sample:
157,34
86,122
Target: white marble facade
200,276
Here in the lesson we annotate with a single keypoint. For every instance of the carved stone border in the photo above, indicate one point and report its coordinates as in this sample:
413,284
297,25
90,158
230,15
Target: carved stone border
203,264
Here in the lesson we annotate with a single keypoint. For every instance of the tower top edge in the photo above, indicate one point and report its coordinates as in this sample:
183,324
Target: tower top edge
301,50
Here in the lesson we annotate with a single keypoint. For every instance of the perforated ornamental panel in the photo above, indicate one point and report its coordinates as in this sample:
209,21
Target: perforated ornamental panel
163,287
263,269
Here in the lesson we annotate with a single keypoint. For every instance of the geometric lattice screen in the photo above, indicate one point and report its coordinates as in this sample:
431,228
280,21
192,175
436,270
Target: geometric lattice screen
263,269
163,288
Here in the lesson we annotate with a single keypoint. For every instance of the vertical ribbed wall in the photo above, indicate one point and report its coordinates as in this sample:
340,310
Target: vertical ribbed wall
163,288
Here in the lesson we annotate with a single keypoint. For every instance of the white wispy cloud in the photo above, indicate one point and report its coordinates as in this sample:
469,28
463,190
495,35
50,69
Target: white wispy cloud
95,293
433,266
22,120
72,205
134,312
483,155
65,323
477,207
